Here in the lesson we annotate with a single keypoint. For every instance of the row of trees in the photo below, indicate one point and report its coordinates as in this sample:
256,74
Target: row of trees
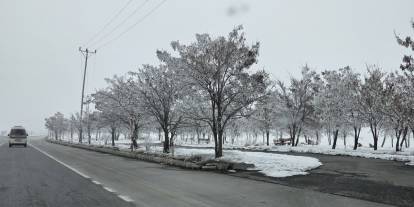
210,84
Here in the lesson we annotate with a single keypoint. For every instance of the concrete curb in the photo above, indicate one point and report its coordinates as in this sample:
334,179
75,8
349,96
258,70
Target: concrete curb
182,162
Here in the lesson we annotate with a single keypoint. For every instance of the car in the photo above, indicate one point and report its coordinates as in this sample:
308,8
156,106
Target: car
18,136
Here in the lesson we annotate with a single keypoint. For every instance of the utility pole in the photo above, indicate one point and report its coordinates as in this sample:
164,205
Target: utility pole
85,53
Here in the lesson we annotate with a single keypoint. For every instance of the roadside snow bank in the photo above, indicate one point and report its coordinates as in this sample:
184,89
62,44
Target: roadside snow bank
385,154
410,163
274,165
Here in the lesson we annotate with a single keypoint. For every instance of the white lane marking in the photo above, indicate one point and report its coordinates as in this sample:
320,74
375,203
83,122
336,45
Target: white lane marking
60,162
125,198
109,189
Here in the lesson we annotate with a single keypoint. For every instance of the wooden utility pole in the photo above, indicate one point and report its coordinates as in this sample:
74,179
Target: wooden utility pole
85,53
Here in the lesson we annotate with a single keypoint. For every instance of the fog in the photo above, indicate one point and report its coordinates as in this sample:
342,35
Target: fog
41,67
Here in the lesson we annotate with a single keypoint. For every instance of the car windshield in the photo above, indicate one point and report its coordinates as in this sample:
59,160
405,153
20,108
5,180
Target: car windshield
18,132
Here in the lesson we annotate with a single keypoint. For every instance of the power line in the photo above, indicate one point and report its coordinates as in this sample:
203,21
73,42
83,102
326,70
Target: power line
133,25
121,23
108,23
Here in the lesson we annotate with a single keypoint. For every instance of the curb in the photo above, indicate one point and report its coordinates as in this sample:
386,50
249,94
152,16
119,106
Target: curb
148,157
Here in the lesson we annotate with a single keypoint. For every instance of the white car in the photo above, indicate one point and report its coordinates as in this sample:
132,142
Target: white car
18,136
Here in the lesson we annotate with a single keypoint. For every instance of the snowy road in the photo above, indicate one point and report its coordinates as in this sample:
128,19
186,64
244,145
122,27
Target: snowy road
145,184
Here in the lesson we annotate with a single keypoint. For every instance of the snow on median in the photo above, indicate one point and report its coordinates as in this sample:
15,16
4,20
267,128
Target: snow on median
274,165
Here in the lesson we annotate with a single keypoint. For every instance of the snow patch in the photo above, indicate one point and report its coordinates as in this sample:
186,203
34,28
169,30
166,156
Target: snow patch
274,165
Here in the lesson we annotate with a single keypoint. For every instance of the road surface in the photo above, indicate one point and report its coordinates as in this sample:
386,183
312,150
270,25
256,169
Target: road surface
47,174
375,180
29,178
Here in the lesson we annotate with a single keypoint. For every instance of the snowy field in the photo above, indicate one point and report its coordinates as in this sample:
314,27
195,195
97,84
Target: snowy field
344,148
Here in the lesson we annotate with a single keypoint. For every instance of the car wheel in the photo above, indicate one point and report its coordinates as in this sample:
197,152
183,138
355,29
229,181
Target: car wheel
10,145
25,145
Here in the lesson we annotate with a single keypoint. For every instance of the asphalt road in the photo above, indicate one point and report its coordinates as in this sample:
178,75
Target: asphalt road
30,178
375,180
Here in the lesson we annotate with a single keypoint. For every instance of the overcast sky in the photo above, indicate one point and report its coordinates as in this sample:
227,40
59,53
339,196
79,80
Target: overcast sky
41,68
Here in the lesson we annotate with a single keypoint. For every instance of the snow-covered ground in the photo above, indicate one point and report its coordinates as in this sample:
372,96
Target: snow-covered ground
343,148
274,165
122,143
386,154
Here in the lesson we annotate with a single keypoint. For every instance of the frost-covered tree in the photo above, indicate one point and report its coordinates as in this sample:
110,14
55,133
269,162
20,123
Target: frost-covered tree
72,126
110,114
75,120
352,94
398,107
218,70
263,113
338,103
57,124
331,102
373,100
408,67
126,104
263,116
160,89
408,61
89,119
295,104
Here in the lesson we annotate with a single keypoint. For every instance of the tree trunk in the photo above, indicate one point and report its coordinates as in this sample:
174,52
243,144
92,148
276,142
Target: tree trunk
292,133
134,136
357,131
344,134
166,148
329,133
198,135
159,133
398,133
404,139
215,136
89,135
113,135
220,144
374,131
318,139
383,140
297,136
80,135
267,137
335,139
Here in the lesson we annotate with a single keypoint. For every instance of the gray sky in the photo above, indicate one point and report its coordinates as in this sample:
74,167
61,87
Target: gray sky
41,68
